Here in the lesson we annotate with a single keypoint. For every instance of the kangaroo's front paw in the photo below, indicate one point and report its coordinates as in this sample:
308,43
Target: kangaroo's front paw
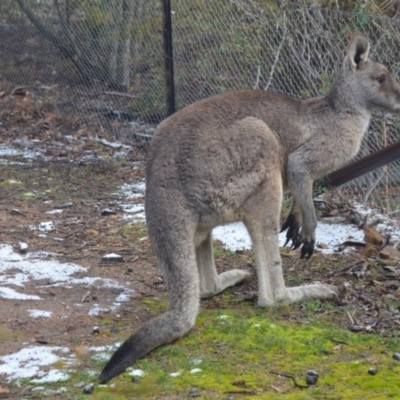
307,243
308,248
292,225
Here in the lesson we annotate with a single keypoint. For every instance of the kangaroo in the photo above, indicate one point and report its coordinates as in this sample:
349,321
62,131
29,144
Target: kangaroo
230,158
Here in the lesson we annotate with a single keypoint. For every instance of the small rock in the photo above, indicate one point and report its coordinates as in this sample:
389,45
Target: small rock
129,270
65,205
96,330
88,389
15,211
312,377
194,392
396,356
135,379
108,211
389,252
372,371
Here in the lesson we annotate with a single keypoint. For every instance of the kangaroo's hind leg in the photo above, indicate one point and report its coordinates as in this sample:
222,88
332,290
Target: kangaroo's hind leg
211,282
263,226
261,217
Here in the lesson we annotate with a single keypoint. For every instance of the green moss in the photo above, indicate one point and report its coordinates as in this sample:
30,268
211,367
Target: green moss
242,351
232,346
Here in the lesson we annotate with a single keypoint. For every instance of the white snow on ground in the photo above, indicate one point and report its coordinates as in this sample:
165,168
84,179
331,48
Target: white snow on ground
133,190
137,372
27,362
54,375
39,314
235,236
8,293
17,269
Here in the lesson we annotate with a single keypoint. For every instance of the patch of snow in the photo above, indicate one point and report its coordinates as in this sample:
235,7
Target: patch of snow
133,189
40,314
33,266
135,211
6,151
54,375
101,356
26,363
8,293
57,211
195,370
137,372
114,145
47,226
23,246
108,348
386,225
96,310
235,236
113,256
122,297
174,374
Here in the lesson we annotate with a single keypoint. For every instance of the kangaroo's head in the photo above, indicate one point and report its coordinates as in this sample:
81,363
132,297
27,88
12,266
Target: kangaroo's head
365,83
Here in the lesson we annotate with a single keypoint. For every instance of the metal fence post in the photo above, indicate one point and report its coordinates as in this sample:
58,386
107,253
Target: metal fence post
168,57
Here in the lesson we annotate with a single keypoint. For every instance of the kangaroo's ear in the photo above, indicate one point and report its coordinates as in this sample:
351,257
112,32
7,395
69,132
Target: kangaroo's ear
357,50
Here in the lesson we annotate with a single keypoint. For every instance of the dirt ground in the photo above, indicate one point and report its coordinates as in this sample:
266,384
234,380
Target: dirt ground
55,164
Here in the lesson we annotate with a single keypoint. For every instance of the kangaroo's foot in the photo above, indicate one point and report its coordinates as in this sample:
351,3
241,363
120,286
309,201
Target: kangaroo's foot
227,279
314,291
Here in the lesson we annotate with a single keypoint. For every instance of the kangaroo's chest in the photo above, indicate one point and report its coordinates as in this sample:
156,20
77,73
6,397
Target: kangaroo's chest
338,144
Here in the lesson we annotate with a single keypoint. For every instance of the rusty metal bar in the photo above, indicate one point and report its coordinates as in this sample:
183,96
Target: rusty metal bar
362,166
168,57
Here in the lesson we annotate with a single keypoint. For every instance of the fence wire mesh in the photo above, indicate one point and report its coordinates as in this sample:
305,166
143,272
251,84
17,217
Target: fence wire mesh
101,62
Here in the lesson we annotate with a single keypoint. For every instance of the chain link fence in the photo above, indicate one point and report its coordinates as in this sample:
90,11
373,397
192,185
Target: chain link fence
102,61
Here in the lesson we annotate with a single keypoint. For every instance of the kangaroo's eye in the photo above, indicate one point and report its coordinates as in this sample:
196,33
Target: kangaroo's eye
381,79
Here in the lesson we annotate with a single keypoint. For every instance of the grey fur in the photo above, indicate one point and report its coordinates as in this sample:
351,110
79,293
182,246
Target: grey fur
230,158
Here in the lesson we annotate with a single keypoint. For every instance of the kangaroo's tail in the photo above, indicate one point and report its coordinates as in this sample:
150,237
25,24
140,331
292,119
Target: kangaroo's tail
182,281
